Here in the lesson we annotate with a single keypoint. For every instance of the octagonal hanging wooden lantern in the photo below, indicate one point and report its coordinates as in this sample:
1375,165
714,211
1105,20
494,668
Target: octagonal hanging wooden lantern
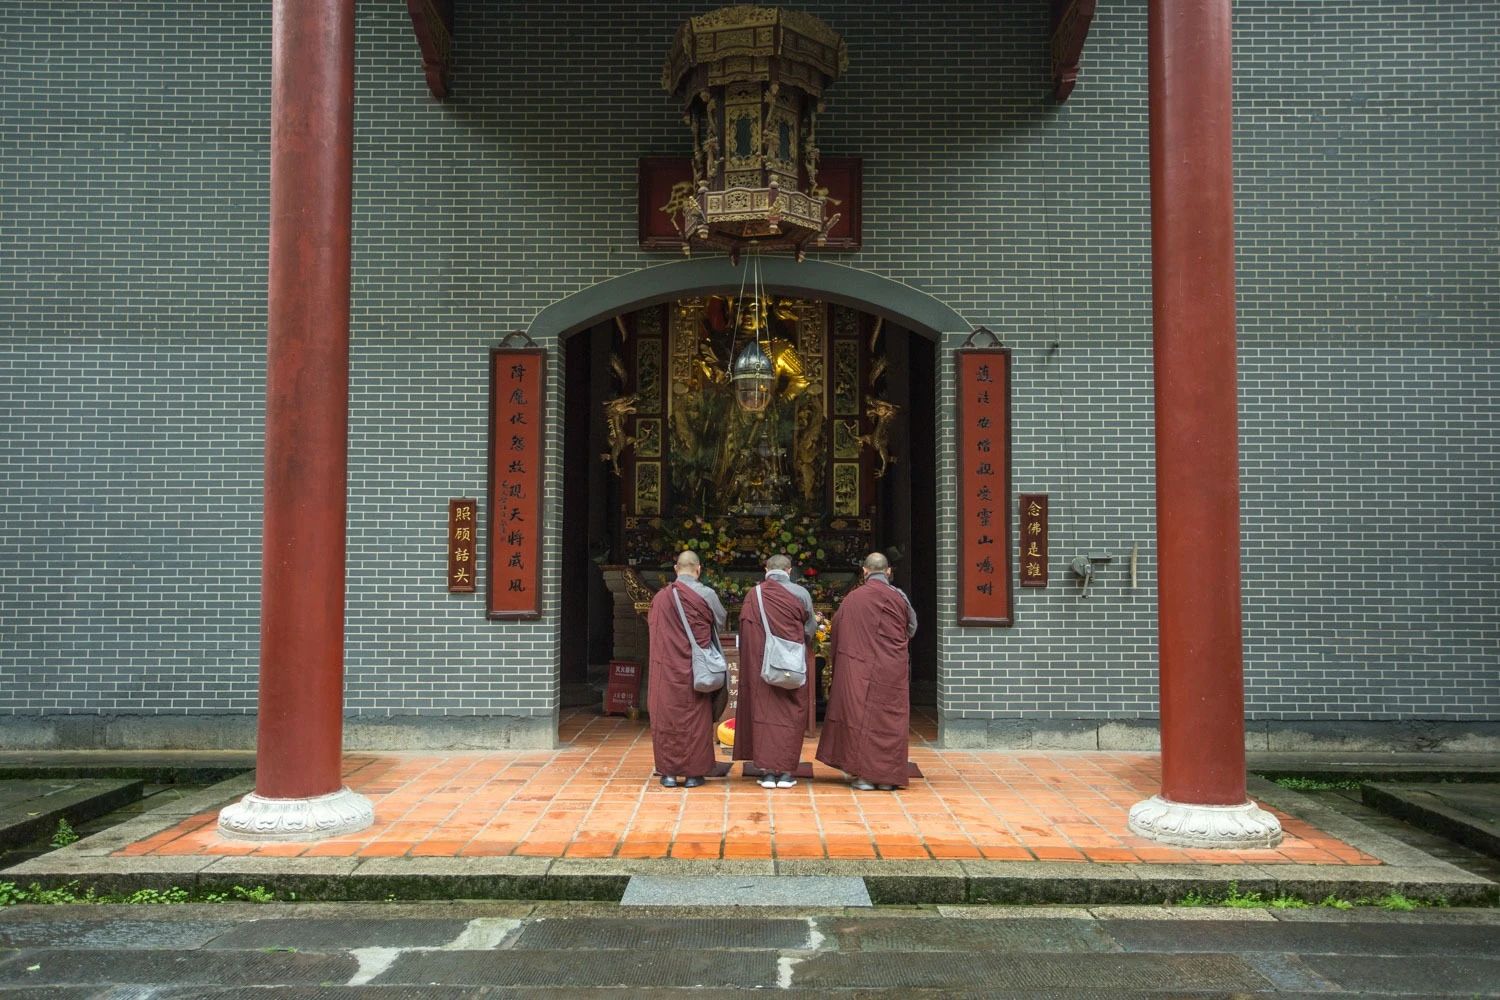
751,80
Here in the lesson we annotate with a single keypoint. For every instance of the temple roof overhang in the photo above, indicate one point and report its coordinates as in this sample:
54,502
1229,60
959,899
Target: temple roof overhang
432,22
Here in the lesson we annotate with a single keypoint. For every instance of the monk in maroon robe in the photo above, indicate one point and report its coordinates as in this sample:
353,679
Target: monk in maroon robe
681,718
769,721
869,708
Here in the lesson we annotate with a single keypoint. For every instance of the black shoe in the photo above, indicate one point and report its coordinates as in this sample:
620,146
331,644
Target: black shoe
668,782
692,783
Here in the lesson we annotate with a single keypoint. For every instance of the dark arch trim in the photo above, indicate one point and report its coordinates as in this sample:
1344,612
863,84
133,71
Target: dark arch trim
897,302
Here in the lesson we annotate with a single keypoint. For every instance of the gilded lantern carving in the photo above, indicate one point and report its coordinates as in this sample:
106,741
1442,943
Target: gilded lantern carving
751,80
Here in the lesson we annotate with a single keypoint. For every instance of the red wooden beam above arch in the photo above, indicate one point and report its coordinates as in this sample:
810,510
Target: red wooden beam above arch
1070,26
433,22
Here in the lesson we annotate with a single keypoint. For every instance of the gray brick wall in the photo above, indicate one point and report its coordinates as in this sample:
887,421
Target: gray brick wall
134,189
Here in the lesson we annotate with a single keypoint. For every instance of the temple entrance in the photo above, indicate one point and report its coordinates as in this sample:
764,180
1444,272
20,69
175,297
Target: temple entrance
826,457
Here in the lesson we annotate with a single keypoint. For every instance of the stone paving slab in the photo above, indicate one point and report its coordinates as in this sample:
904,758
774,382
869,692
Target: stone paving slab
639,970
1323,938
329,935
1467,977
654,934
892,882
746,890
73,968
1113,972
94,933
905,934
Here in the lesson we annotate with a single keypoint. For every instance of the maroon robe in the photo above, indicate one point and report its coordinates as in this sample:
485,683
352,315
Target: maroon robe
869,709
681,718
769,721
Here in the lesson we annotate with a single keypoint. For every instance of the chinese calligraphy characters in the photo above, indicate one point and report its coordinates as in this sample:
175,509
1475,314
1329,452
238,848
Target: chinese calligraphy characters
515,483
1033,547
463,556
984,580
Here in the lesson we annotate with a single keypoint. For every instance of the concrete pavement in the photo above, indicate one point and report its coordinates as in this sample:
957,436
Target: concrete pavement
581,949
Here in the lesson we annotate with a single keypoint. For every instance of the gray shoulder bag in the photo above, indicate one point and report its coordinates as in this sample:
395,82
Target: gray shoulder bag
709,669
784,664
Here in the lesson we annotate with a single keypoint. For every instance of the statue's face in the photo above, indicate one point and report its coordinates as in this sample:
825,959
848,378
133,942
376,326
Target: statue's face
748,312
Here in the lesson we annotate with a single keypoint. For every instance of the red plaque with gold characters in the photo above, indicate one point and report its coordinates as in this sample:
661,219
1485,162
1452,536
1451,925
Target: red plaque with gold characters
463,545
985,596
1033,555
517,375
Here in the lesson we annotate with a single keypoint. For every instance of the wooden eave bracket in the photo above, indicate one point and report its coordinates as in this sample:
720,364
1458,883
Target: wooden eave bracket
432,20
1070,27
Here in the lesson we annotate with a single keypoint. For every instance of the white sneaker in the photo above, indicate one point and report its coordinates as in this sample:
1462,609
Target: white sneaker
767,780
786,781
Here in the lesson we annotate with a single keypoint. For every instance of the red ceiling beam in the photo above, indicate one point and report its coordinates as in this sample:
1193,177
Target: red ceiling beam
433,22
1070,26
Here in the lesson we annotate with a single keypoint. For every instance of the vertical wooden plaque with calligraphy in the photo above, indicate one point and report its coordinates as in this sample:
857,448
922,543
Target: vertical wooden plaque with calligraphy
463,545
1033,540
517,376
985,594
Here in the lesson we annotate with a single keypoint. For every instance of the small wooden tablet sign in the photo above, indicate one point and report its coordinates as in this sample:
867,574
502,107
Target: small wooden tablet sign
463,542
985,595
1033,539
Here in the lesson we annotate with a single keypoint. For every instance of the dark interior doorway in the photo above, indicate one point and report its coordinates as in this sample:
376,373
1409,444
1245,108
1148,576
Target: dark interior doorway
901,503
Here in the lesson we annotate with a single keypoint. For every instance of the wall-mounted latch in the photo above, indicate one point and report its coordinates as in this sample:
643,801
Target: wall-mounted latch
1083,567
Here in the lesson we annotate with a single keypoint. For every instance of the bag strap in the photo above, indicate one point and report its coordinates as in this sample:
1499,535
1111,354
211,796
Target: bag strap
762,602
683,618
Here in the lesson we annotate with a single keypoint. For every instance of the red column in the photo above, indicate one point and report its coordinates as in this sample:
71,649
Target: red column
1197,459
307,399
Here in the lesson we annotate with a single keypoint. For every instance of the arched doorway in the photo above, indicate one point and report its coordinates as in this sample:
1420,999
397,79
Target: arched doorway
869,343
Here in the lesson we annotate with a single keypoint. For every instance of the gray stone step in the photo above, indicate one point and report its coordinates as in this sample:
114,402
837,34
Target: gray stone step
746,890
31,807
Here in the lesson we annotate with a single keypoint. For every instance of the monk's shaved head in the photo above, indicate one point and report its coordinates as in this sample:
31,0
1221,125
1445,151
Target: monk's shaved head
783,563
688,559
876,562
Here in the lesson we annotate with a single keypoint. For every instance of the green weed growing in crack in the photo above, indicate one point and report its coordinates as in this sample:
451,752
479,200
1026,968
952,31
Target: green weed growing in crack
1316,784
259,894
12,894
1242,901
157,897
65,834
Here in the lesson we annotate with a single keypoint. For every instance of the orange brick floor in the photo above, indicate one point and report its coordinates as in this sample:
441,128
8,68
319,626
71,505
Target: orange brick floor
595,797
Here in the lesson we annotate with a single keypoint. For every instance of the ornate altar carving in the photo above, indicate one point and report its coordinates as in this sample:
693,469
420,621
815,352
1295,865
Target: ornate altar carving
700,471
615,412
879,438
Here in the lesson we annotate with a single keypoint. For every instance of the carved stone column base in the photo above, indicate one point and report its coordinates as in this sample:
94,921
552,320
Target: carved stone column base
1184,825
257,818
